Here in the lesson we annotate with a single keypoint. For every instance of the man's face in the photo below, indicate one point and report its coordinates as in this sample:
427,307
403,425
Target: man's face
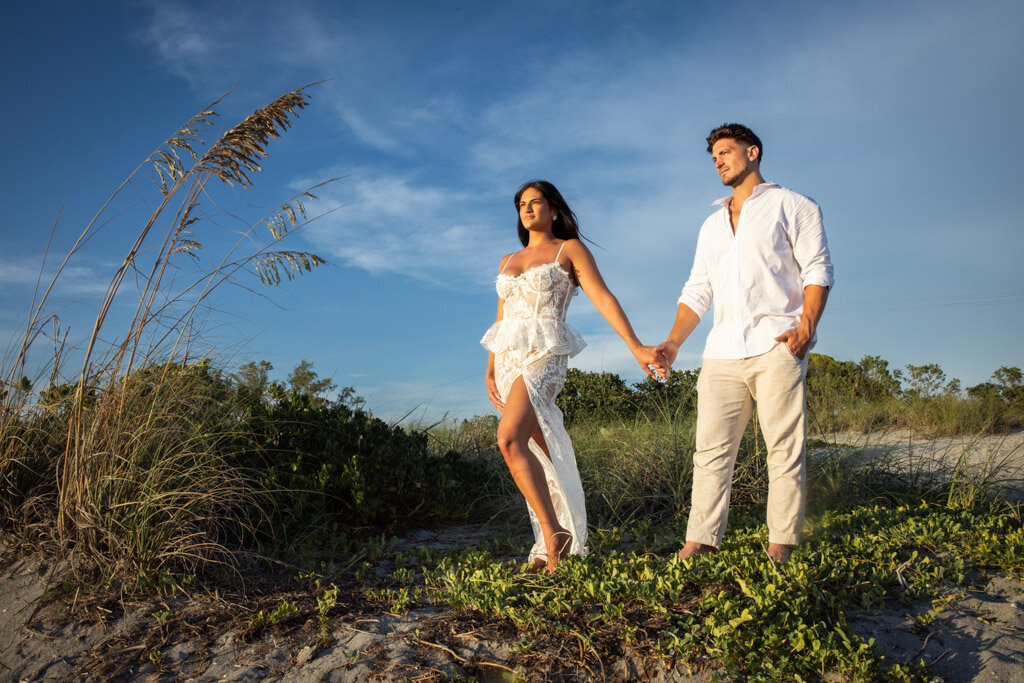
734,160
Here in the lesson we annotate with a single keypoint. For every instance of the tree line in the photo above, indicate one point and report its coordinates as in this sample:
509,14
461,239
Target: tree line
841,395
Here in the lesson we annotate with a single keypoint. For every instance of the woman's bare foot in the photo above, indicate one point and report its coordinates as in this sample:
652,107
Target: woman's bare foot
692,549
536,566
778,553
558,544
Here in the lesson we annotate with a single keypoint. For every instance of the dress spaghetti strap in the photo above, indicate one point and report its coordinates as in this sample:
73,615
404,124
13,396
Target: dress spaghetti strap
560,250
505,264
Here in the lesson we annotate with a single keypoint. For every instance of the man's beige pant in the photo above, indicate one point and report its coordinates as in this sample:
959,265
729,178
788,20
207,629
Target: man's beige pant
727,391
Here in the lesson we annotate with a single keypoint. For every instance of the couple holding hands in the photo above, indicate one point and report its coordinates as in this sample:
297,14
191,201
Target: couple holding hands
762,261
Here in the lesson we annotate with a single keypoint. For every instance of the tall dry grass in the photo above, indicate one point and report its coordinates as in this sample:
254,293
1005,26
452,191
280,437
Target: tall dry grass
123,460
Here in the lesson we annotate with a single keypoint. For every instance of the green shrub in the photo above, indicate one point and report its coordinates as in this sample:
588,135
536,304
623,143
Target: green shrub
604,396
596,395
334,469
161,493
643,467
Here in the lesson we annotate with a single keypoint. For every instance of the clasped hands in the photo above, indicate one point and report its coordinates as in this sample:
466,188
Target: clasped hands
656,360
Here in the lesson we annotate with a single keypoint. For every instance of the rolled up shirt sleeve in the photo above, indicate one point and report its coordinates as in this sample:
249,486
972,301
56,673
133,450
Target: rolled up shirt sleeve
810,246
697,291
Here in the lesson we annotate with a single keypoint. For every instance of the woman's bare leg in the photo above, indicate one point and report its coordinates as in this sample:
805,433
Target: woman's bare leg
538,436
539,563
518,424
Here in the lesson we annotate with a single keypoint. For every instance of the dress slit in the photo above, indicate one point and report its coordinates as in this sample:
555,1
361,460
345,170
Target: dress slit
560,472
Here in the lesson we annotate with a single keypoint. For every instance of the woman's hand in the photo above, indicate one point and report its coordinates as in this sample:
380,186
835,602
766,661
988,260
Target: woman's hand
492,393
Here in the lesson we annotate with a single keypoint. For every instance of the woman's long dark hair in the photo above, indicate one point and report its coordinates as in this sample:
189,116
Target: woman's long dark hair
564,227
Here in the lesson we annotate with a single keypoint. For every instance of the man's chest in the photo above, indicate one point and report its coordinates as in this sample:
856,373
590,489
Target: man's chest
761,237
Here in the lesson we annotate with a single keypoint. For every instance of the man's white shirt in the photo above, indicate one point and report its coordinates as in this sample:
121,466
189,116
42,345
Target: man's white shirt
755,279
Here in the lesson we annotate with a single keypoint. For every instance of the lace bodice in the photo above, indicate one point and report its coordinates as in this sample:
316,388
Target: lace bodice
533,319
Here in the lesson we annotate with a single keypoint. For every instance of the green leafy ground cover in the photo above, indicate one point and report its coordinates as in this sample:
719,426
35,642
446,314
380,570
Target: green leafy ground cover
735,611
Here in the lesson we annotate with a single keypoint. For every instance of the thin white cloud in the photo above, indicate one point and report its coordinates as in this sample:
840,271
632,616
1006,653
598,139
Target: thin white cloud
427,399
77,280
371,135
175,32
17,273
396,224
219,45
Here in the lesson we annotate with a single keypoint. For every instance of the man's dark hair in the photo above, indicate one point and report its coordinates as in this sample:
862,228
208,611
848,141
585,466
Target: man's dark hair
738,132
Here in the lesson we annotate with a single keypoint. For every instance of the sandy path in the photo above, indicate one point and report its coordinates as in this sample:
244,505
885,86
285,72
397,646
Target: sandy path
994,459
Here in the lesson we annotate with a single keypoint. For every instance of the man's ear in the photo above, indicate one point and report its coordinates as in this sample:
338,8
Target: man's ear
753,152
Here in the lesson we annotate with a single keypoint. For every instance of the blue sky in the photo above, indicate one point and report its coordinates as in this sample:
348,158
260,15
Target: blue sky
899,118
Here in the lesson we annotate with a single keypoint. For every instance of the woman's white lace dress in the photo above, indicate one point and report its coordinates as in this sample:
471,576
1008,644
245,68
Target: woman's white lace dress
533,340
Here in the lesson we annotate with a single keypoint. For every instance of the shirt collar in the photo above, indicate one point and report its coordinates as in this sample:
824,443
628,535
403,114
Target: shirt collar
760,189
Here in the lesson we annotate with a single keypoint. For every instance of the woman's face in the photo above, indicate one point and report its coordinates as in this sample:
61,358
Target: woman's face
534,210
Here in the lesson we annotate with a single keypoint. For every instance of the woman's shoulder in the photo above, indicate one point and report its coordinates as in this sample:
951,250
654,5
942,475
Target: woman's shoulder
574,246
505,259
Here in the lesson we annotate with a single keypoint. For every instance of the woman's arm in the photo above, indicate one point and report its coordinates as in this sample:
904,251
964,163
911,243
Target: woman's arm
492,385
584,268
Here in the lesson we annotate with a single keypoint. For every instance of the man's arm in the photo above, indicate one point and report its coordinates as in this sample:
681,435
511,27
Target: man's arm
686,322
799,339
694,302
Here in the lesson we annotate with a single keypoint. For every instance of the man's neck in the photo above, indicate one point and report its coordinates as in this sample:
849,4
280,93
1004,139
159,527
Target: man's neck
742,191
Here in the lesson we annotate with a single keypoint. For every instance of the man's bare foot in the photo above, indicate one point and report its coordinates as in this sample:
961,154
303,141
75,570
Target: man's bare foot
778,553
692,549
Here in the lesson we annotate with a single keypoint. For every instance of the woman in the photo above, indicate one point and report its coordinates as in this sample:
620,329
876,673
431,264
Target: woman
530,345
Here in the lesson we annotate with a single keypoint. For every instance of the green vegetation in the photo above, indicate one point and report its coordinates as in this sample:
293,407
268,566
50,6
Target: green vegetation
153,461
879,532
275,616
336,472
153,469
842,395
760,620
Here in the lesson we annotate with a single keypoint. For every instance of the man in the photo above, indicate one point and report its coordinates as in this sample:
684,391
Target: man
764,261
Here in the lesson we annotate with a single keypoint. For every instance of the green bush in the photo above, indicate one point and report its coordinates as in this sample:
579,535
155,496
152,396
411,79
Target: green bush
604,396
596,395
186,462
332,468
643,467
